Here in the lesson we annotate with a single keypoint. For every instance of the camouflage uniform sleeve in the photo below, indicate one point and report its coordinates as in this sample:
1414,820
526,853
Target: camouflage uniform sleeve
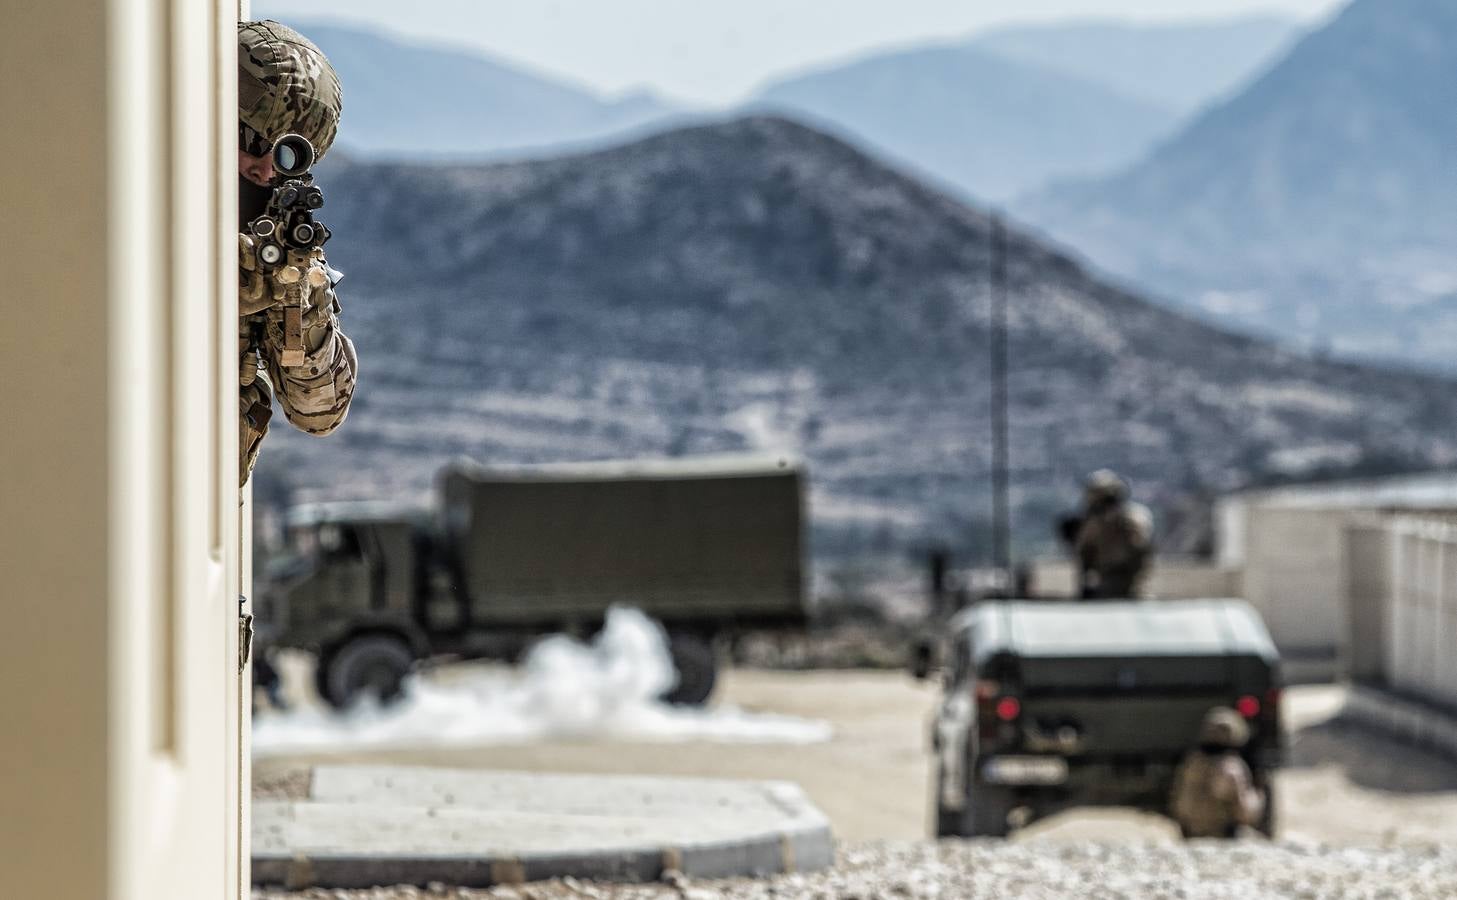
1245,802
1140,525
315,396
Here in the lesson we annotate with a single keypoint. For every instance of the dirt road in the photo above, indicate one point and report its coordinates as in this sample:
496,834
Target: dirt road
1342,787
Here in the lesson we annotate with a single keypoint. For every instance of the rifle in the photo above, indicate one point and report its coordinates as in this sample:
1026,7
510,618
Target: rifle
289,238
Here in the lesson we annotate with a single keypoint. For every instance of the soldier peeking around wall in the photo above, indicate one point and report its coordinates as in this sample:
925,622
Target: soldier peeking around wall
289,340
1111,539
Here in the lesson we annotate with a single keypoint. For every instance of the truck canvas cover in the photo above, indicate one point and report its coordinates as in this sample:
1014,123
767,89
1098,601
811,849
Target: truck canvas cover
713,539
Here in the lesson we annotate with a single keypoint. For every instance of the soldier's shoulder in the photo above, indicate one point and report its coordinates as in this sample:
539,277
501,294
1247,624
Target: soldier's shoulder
1139,516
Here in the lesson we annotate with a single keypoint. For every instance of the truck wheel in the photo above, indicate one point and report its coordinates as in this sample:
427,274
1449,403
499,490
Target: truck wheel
948,821
369,664
697,668
1267,823
987,810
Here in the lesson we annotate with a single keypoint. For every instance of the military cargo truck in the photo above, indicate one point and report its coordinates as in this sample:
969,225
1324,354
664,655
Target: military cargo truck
709,548
1051,705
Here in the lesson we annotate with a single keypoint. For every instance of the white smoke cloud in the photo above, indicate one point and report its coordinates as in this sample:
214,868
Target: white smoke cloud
605,690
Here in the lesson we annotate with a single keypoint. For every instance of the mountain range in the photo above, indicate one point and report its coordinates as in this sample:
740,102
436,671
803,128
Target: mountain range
1180,66
1010,110
972,120
407,100
1319,204
994,116
756,285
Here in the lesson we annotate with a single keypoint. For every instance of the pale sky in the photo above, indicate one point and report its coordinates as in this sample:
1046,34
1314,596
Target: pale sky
715,53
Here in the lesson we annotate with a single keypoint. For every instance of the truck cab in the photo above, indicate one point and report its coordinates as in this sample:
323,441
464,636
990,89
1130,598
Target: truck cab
345,584
1054,705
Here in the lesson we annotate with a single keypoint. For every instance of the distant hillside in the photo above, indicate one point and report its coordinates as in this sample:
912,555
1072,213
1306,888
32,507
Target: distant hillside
985,125
1320,203
1180,66
402,99
756,285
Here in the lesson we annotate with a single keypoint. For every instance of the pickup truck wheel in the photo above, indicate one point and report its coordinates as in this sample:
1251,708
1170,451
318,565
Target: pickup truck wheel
987,810
948,821
1268,822
370,664
697,668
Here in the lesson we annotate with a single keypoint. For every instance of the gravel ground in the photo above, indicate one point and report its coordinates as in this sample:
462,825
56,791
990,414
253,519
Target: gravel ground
952,870
1361,815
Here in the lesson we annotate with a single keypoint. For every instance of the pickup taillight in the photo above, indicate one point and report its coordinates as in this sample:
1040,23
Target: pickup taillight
995,707
1272,707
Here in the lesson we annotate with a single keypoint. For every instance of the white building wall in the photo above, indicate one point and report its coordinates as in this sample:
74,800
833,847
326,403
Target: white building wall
1367,589
121,743
1419,657
1169,579
1294,575
1230,531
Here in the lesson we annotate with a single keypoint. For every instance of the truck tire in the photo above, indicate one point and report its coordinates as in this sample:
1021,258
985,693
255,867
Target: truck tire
368,664
948,821
1268,822
987,810
697,668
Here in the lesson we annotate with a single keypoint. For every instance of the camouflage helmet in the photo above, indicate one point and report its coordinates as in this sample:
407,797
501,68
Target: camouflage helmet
286,85
1105,484
1223,727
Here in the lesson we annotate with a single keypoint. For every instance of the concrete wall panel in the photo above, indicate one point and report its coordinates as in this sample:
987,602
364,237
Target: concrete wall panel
119,547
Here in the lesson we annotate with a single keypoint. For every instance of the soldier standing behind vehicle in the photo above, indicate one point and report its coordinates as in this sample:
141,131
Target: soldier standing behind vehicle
1112,539
285,86
1214,791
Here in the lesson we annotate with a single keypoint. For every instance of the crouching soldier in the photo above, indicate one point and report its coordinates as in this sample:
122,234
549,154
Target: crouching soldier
1214,791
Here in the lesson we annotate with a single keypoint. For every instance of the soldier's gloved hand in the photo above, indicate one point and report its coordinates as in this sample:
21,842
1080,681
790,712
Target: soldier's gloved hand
259,291
255,291
312,280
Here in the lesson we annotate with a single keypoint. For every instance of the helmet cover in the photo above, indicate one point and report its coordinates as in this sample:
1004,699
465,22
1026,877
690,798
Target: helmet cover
1105,484
1224,727
286,85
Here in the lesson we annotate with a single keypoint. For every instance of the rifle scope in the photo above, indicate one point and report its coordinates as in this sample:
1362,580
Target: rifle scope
293,155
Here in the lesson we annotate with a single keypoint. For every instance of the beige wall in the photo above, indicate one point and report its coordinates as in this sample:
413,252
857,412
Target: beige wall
1170,579
1422,611
1294,575
119,559
1367,590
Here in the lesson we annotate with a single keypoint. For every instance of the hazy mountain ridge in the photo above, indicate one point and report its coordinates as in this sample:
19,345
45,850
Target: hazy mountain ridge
1012,109
990,126
756,285
403,99
1320,202
1180,66
994,116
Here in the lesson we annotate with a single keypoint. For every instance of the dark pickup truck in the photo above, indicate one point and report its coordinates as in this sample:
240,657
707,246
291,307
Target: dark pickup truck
1052,705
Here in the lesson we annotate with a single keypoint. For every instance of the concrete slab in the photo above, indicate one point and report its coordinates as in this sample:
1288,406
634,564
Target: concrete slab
1415,723
376,825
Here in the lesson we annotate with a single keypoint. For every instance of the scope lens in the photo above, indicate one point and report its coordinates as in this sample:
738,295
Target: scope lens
287,157
271,254
292,155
